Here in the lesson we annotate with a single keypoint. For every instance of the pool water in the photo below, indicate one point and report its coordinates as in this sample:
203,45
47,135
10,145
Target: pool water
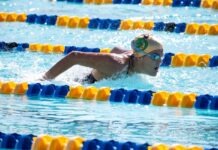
107,121
104,120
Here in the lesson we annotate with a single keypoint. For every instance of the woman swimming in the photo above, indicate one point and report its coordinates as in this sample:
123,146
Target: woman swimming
145,57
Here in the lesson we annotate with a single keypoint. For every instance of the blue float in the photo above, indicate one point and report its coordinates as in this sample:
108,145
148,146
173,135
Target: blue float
159,26
48,90
145,97
104,23
126,1
92,144
25,45
206,148
185,2
167,59
51,20
213,62
9,141
95,50
41,19
82,49
176,3
180,27
214,103
31,18
34,89
78,1
117,1
69,49
195,3
115,24
25,142
131,96
117,95
20,48
203,101
93,23
128,146
110,145
2,45
2,136
136,1
61,91
86,49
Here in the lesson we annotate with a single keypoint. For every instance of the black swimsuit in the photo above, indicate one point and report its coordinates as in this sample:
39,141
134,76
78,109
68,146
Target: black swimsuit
130,63
90,79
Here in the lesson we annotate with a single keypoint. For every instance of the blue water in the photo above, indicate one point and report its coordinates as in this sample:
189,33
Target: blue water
102,119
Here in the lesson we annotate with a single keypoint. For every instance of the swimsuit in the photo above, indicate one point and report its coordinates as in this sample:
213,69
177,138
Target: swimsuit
90,79
130,63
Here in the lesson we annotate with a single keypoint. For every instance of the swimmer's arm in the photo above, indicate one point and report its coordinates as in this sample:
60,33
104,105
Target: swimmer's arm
103,62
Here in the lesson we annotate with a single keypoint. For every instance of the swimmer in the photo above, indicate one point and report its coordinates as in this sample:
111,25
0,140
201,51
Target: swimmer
145,58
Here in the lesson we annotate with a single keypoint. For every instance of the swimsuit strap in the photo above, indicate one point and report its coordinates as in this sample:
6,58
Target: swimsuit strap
130,63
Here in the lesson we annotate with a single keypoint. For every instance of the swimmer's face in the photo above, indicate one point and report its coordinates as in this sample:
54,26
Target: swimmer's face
150,62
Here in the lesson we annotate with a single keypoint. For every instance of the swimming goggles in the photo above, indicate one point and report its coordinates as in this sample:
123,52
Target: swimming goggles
153,56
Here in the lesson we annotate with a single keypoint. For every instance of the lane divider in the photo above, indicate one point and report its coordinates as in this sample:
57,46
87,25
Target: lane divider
159,98
47,142
174,3
112,24
169,59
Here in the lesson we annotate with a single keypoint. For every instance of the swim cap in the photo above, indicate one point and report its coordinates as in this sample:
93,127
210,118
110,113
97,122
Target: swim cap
141,43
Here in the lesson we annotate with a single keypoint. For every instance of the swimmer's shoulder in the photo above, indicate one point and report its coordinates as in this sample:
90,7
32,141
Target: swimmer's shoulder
119,50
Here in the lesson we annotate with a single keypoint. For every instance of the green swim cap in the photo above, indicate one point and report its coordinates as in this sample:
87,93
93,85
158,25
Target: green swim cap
140,44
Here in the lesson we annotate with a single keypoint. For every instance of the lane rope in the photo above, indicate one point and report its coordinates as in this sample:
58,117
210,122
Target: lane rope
47,142
111,24
213,4
135,96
